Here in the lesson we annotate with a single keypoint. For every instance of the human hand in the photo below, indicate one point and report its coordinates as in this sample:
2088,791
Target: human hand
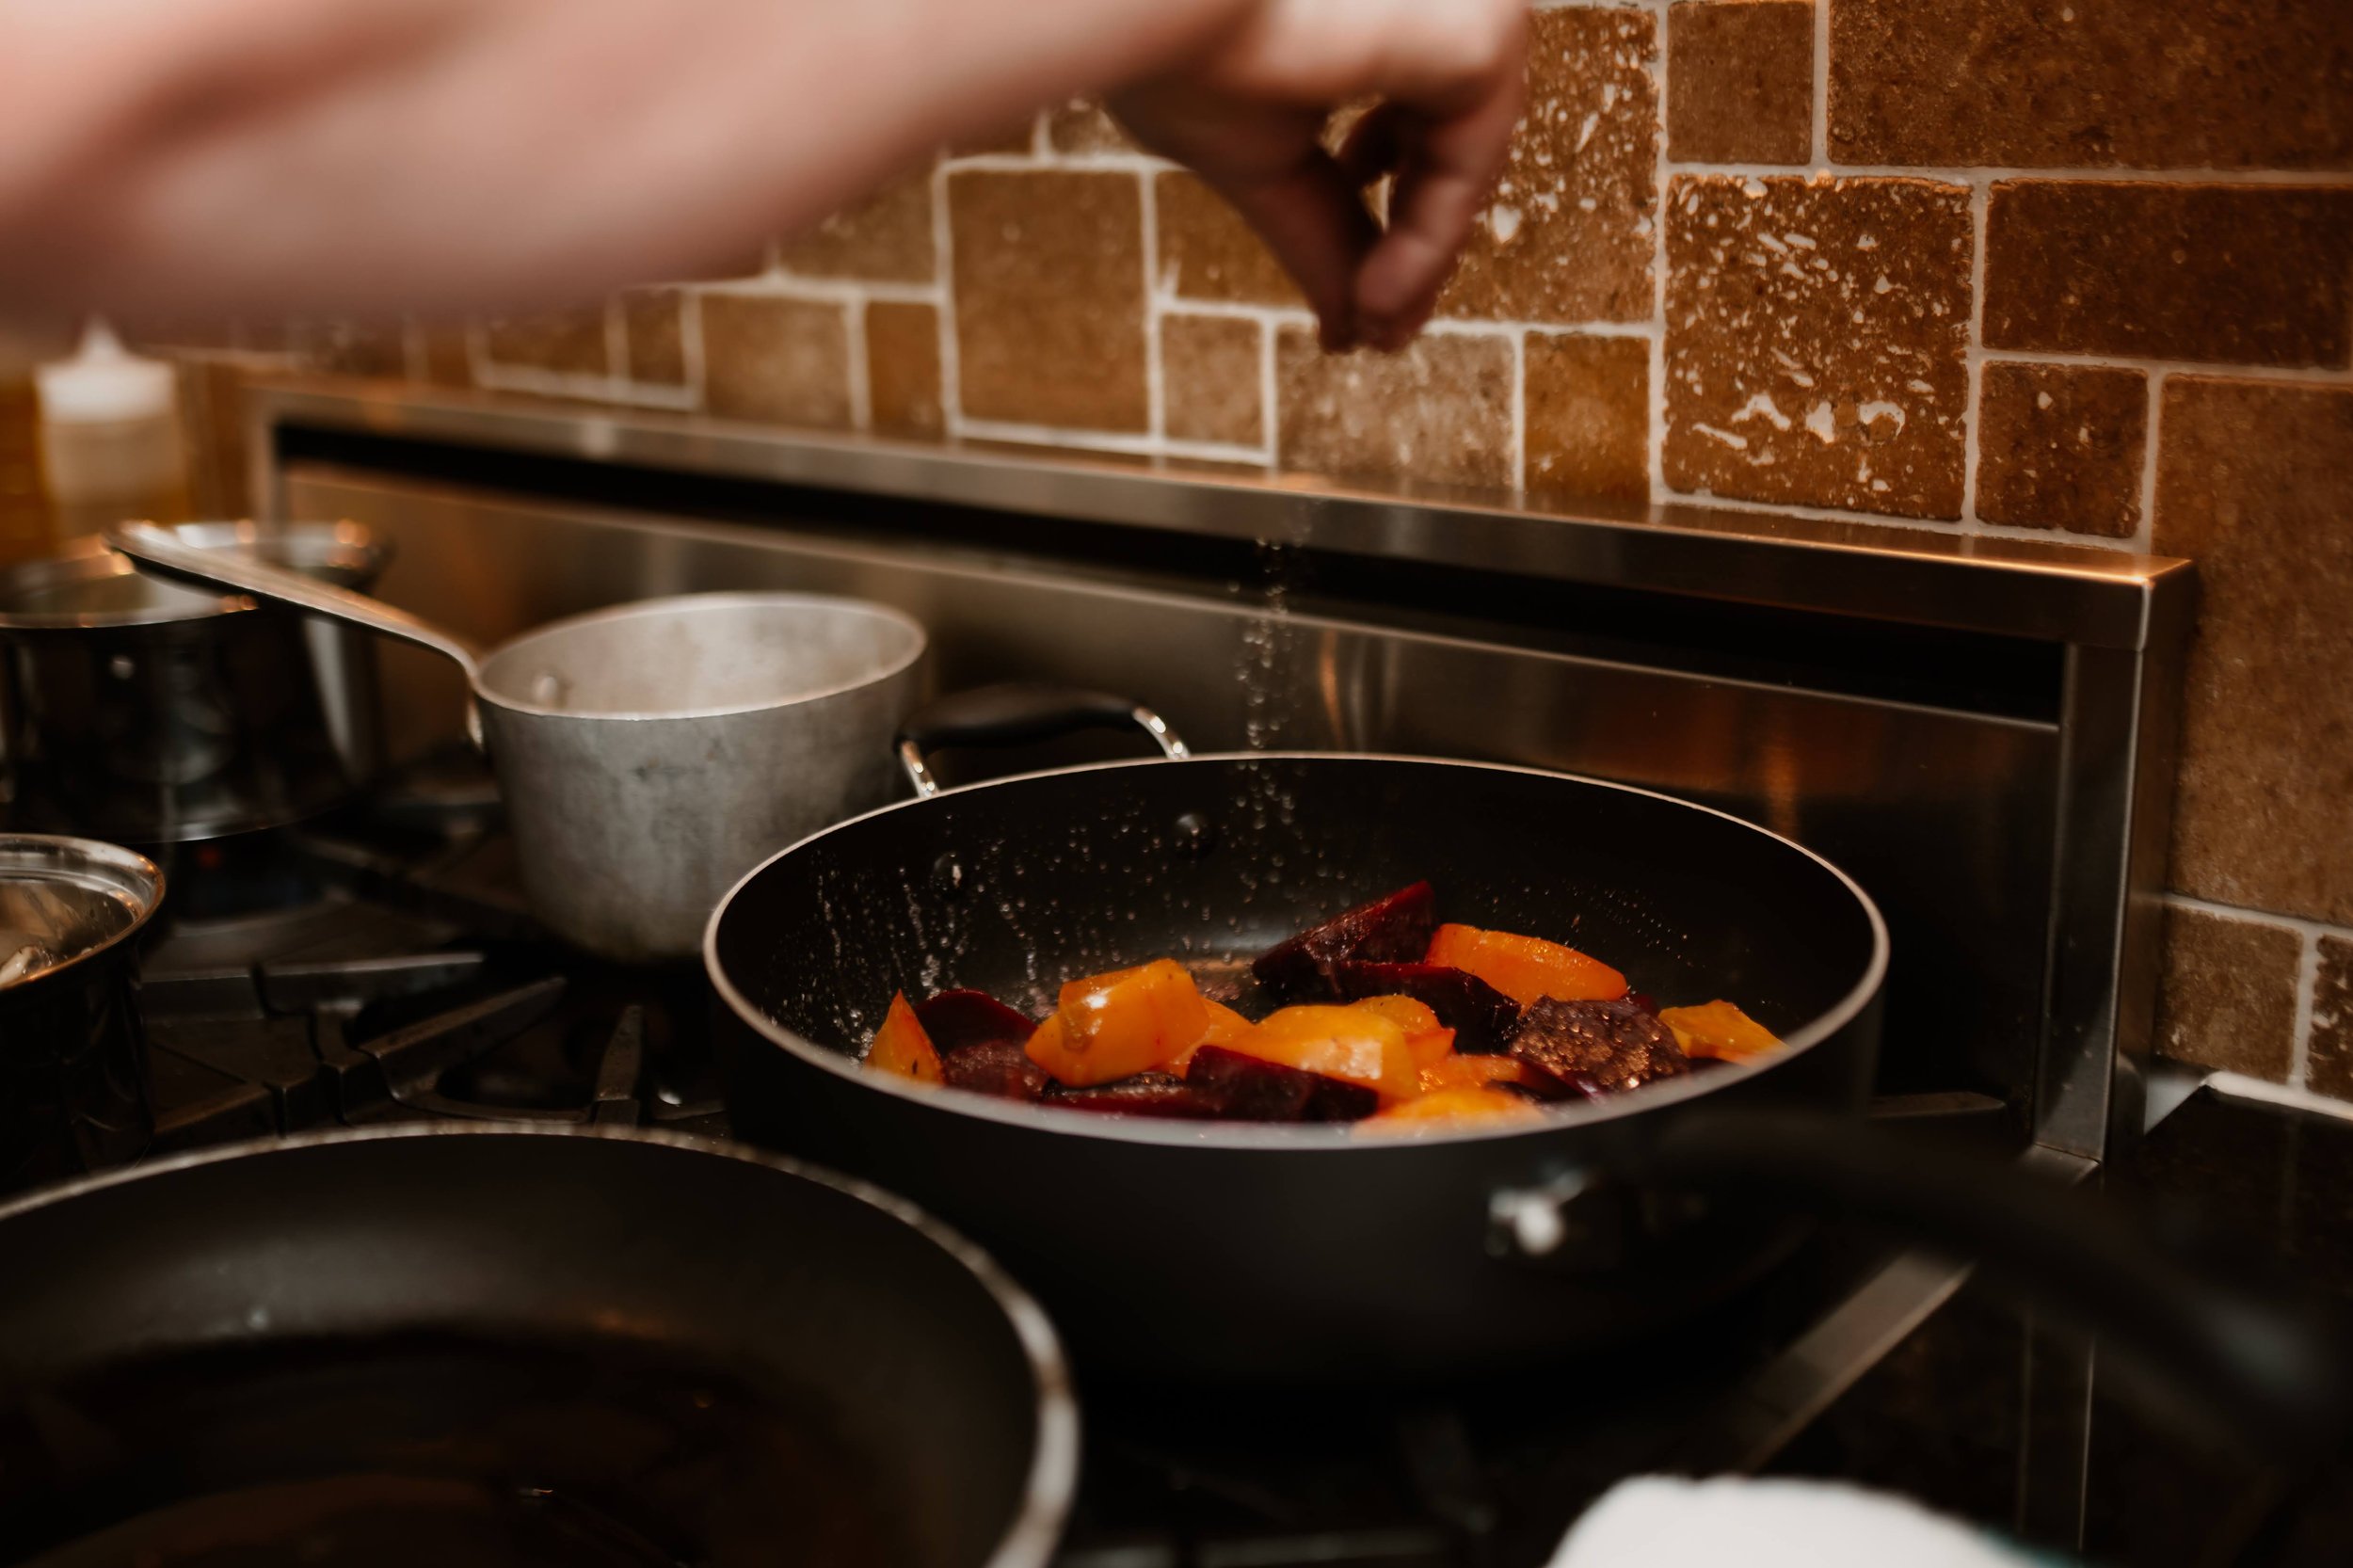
1248,114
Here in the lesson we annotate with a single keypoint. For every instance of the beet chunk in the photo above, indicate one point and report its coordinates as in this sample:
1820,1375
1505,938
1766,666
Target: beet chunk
957,1020
1145,1095
1596,1047
1392,929
1483,1017
997,1068
1251,1090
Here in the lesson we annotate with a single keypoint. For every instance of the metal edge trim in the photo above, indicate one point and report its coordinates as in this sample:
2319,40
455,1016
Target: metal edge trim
1305,1138
1051,1485
146,911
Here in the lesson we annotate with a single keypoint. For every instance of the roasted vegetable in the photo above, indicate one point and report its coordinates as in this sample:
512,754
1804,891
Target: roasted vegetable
1526,969
1433,1111
1719,1030
1252,1089
1425,1037
1481,1017
957,1020
999,1067
1349,1042
1596,1047
1484,1072
1144,1094
1226,1027
902,1047
1116,1024
1393,929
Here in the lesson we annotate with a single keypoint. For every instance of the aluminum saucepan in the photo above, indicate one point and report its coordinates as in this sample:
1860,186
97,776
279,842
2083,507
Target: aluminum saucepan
650,753
463,1343
74,1091
1237,1250
145,713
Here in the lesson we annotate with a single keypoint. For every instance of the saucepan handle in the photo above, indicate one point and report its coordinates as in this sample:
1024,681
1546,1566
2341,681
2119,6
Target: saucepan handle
2245,1355
1016,713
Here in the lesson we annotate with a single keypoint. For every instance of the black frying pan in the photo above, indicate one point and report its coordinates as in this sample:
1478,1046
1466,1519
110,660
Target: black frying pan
461,1344
1252,1252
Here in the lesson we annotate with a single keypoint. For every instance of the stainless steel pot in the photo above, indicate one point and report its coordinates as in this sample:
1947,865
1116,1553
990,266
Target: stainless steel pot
73,1060
651,753
145,713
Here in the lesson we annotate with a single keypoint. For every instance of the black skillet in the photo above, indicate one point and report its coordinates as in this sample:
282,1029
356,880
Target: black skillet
1234,1250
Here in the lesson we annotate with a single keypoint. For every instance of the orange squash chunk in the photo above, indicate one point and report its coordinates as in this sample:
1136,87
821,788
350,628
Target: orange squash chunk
1720,1030
1226,1027
1450,1105
1425,1037
1354,1045
1471,1072
902,1047
1116,1024
1526,969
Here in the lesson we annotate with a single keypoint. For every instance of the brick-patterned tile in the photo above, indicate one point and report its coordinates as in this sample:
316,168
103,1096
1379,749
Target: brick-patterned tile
902,368
1588,415
448,360
2229,994
2062,446
2252,483
1568,235
2034,83
1210,380
570,342
2329,1065
885,238
1014,136
1207,252
1441,410
1083,126
1049,298
768,357
657,336
352,347
2258,275
1740,81
1816,334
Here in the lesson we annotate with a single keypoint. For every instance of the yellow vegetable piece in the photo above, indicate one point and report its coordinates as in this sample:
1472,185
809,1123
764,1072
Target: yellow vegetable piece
1720,1030
902,1047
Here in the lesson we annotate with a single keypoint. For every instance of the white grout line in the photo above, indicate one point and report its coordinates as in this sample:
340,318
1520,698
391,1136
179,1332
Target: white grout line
1519,413
1669,496
1155,392
1267,432
1275,316
415,362
1973,358
2259,917
1042,135
2307,988
2316,375
944,286
1660,180
861,387
492,376
2319,179
616,344
836,291
1821,83
2240,1086
690,329
1026,162
2146,532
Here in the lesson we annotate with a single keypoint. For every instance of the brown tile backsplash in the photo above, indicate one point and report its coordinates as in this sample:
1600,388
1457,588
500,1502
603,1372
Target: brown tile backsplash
1748,249
2134,84
1568,235
652,320
2330,1070
2062,446
1588,411
1210,372
570,342
1207,252
1740,81
1049,298
1816,341
2228,998
1440,411
766,356
2254,482
902,368
2259,275
886,238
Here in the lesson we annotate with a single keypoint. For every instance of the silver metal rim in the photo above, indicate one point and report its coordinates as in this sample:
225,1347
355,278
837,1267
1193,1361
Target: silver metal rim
137,876
348,546
1047,1491
920,643
1327,1139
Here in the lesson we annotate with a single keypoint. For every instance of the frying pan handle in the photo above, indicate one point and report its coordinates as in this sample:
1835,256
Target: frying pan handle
1015,713
2239,1353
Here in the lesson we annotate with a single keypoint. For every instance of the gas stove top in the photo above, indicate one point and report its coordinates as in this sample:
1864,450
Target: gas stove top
378,965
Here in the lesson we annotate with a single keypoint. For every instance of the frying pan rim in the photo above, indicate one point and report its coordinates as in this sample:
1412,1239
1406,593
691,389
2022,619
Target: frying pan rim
1047,1491
1332,1138
757,598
